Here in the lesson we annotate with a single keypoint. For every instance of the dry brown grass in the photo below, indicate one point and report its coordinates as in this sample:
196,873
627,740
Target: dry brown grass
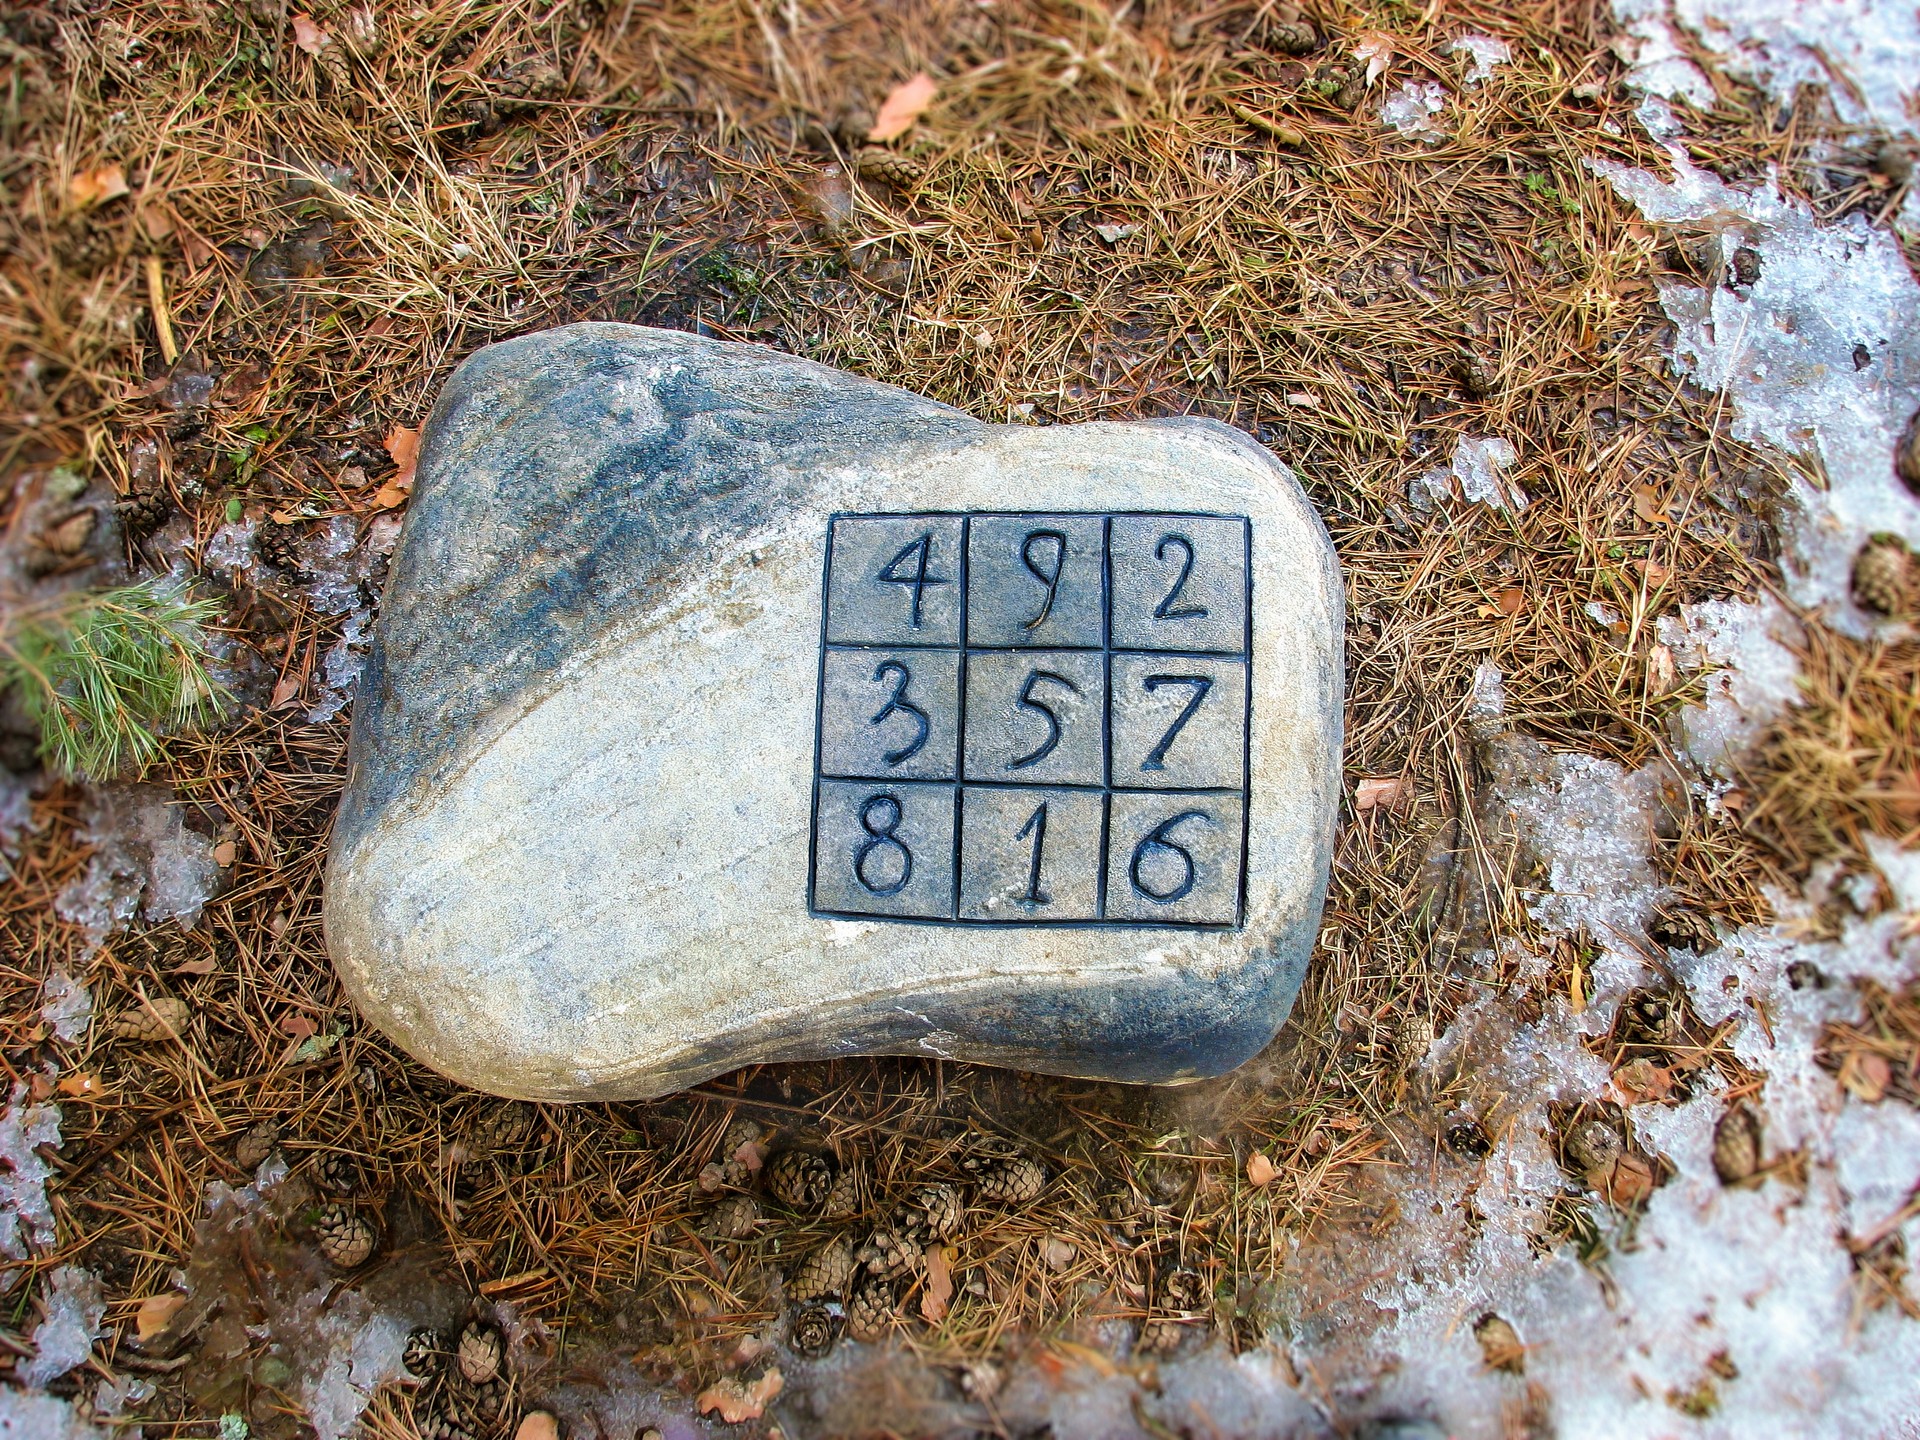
334,236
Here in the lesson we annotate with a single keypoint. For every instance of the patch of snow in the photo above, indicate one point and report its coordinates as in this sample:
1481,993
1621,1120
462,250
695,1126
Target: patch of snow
64,1337
1483,52
1476,474
338,564
16,818
143,848
37,1416
1661,64
362,1348
1901,869
1411,111
26,1219
1787,353
67,1007
1750,680
1489,698
340,670
230,548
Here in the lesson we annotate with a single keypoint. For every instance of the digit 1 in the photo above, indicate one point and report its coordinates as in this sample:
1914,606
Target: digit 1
1037,824
917,580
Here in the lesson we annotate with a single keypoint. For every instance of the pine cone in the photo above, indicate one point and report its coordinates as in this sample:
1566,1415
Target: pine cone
163,1018
1162,1337
845,1198
1883,576
873,1307
1004,1174
1592,1146
347,1237
813,1331
1680,928
331,61
888,1254
1653,1017
505,1128
735,1217
799,1179
142,512
251,1149
1291,32
424,1358
336,1172
930,1212
890,167
822,1272
481,1351
1184,1292
279,546
1736,1146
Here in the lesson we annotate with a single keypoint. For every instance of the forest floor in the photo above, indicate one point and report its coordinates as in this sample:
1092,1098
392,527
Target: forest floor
1597,1113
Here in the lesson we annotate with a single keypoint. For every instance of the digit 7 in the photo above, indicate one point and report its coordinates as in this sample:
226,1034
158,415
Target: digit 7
1157,757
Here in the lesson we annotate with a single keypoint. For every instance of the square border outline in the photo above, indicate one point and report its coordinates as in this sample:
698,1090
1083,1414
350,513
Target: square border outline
959,783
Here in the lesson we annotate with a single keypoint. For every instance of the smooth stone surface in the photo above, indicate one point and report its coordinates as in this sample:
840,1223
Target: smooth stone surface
576,855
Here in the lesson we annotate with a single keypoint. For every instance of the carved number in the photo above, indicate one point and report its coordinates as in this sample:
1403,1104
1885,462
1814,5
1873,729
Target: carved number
1048,578
878,835
1169,609
1157,757
918,580
1027,702
1158,839
1036,826
898,701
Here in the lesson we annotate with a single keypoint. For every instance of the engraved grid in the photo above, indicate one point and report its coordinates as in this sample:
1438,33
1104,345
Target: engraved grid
964,647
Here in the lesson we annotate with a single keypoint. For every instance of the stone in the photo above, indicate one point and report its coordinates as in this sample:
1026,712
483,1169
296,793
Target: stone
727,709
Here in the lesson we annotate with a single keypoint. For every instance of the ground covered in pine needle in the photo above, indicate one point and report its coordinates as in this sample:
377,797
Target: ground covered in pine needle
243,247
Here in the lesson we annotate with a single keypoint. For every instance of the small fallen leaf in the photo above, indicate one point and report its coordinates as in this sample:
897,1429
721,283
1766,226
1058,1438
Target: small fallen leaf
939,1287
1646,504
1058,1252
906,104
205,965
1661,672
97,186
712,1177
1512,600
1863,1073
298,1026
1627,1181
1656,573
403,444
1303,400
538,1425
752,1154
225,853
1641,1080
156,1312
1377,51
285,693
307,35
1260,1170
736,1400
1377,792
389,497
80,1085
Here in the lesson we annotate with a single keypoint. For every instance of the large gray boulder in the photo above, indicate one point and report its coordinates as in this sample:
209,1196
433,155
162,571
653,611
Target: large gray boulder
726,708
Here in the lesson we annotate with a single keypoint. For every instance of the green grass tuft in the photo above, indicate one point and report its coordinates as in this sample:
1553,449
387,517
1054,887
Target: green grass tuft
105,673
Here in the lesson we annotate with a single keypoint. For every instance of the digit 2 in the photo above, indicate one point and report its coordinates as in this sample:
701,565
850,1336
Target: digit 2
1169,608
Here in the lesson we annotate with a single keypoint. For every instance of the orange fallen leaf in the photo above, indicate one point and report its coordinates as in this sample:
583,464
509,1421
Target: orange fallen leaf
1377,791
939,1287
156,1312
1260,1170
1641,1080
225,853
403,444
906,104
538,1425
736,1400
285,693
1512,600
1863,1073
80,1085
1627,1181
203,966
97,186
298,1026
307,35
1646,504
